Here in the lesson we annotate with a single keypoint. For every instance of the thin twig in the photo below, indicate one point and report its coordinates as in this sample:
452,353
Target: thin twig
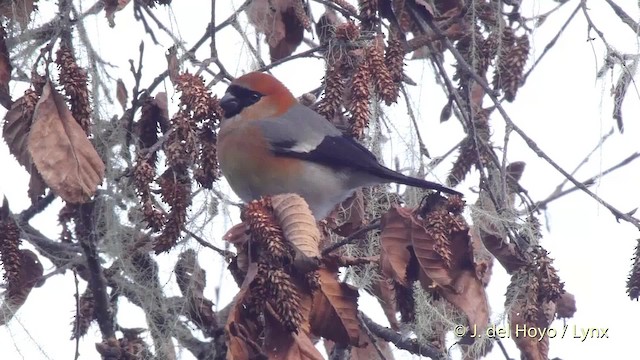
503,349
372,337
589,182
76,323
411,345
306,53
353,237
532,144
624,16
551,43
584,161
225,253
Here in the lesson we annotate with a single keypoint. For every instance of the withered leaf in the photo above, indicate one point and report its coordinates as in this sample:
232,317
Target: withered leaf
470,297
506,253
298,225
113,6
354,214
566,305
121,94
5,71
31,271
66,159
192,280
278,21
285,345
334,313
366,352
531,347
240,337
384,290
172,64
16,133
237,235
17,10
394,244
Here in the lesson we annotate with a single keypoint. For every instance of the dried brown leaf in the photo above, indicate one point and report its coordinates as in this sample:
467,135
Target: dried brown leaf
31,271
5,71
63,155
531,347
325,27
278,21
237,235
241,338
395,239
17,10
353,216
385,291
483,259
113,6
282,344
192,280
298,225
470,297
16,129
566,305
121,94
172,64
366,352
505,253
335,310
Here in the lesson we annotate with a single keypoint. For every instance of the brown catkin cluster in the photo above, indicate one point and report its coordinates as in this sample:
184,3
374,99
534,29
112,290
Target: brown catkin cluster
360,99
435,225
84,317
551,288
334,87
633,281
284,298
348,31
143,175
534,285
522,293
175,188
181,144
301,14
206,167
30,99
368,13
74,81
469,155
10,248
148,127
394,58
266,232
383,82
514,63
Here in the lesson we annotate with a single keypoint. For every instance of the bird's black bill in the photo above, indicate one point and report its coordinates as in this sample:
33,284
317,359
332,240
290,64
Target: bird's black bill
236,99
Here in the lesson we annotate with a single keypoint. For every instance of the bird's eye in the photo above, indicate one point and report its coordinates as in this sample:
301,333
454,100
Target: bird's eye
255,97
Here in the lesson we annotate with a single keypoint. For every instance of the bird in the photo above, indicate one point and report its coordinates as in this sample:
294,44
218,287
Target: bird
269,144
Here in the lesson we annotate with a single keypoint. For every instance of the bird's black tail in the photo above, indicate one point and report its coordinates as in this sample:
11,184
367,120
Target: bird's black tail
393,176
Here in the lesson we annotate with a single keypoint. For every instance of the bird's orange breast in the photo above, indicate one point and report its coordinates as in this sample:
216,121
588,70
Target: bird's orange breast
248,163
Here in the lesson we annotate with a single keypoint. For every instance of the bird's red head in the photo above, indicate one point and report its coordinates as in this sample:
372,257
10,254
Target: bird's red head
259,92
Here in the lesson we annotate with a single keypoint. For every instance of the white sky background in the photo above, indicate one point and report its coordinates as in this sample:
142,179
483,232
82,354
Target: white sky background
562,107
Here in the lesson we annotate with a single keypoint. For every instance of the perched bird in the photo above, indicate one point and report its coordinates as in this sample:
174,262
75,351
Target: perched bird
270,144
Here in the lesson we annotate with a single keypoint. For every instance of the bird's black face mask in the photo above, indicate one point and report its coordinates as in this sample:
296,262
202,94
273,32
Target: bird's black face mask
236,99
